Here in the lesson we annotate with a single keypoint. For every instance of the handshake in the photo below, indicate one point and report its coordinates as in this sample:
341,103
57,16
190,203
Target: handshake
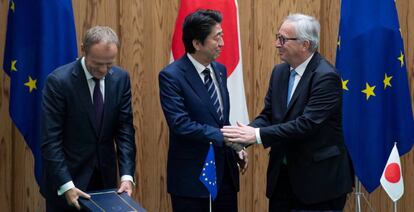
238,137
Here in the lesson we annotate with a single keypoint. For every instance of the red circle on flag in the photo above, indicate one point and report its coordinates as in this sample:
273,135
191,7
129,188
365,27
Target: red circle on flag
393,173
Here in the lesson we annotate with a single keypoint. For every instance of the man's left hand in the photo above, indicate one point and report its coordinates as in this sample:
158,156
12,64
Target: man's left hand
239,134
126,186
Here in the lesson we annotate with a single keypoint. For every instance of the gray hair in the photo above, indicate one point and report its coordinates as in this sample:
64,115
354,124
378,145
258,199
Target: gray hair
99,34
307,29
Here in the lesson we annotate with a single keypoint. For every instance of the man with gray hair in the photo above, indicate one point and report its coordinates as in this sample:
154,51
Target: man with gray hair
86,114
309,167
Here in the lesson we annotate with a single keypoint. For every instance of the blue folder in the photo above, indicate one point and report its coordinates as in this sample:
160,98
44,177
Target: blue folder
110,200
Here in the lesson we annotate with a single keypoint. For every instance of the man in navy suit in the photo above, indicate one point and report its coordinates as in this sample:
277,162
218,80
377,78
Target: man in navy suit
195,101
309,168
87,113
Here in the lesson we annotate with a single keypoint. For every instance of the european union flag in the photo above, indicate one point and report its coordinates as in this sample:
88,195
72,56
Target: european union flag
40,37
208,175
377,105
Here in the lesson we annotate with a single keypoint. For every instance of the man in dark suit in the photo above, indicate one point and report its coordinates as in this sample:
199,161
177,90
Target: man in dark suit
302,123
195,101
87,113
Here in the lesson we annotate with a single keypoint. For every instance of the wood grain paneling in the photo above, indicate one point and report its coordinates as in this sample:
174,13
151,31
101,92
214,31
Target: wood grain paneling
131,24
145,29
6,148
246,11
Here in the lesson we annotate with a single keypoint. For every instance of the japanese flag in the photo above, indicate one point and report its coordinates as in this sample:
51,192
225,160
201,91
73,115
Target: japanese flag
231,55
391,179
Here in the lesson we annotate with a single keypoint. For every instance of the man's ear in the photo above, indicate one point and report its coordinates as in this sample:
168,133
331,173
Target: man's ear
306,45
196,44
83,49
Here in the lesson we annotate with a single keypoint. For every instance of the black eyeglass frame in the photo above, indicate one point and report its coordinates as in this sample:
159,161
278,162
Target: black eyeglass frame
282,39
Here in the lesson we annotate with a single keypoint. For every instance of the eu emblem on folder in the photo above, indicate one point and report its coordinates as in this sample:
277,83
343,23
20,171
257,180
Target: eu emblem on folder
110,200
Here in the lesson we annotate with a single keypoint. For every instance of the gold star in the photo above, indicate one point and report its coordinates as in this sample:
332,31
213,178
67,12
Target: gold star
387,81
345,84
338,43
13,65
369,90
401,59
31,84
12,6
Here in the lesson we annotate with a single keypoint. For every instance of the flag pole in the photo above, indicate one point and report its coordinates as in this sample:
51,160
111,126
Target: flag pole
394,203
210,203
357,195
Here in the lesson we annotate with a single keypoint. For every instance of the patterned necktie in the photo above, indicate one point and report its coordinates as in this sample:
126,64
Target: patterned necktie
291,83
97,103
211,89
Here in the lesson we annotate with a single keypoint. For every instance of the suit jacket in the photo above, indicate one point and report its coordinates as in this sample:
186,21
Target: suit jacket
308,132
71,145
193,124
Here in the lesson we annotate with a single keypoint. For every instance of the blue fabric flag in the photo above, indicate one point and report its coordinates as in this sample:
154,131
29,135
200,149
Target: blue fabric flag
376,99
40,37
208,175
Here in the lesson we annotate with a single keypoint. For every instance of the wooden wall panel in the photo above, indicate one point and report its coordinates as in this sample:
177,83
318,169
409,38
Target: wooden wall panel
145,29
153,41
95,12
329,19
131,24
6,150
264,25
246,11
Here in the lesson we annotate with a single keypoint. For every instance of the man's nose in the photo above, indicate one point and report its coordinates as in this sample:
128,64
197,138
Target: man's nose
221,42
103,68
277,43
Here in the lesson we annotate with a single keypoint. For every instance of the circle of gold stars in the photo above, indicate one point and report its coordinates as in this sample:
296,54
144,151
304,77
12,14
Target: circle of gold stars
369,90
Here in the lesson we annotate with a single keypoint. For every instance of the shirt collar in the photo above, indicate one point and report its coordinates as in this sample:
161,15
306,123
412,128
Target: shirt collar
302,67
198,66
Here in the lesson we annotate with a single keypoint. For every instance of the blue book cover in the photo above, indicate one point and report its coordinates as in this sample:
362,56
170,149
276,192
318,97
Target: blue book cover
110,200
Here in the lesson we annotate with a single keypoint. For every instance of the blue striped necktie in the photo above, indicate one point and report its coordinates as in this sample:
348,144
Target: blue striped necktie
211,89
291,83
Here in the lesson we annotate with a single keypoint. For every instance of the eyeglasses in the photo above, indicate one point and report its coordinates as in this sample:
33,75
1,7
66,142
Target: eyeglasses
282,39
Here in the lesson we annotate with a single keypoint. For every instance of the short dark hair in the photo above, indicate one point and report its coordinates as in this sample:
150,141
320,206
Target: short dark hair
198,25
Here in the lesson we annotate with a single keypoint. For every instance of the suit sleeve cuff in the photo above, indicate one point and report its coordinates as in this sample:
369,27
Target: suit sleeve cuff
65,187
258,139
128,178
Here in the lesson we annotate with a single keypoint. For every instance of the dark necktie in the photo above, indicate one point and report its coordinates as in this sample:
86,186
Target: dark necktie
97,103
211,89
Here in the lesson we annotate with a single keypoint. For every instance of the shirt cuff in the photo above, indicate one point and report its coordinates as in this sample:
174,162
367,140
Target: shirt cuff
65,187
128,178
258,139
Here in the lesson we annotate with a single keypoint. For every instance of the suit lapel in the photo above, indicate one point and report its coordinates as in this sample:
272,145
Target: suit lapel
304,80
283,87
194,80
84,93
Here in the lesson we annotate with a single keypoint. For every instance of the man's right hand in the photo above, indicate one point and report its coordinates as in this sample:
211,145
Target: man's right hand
72,195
